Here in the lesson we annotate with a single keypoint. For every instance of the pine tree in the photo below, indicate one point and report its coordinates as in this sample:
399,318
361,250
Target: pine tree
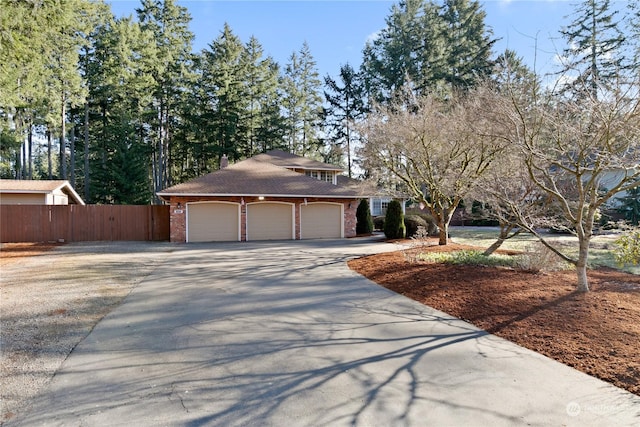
302,102
261,93
595,42
171,68
633,26
468,42
391,58
345,107
223,73
119,96
427,48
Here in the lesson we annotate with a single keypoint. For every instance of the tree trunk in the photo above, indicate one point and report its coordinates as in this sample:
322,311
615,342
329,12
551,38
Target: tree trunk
581,266
491,249
72,157
583,283
63,143
444,234
30,149
49,153
86,152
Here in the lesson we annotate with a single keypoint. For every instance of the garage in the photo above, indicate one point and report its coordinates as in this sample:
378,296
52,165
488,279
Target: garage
213,222
321,221
270,221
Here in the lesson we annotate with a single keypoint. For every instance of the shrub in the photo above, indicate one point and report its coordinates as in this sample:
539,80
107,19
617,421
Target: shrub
378,223
364,224
432,225
412,222
394,221
537,257
468,257
628,248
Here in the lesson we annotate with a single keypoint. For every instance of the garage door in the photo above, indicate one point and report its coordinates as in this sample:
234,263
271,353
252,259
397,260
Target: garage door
270,221
321,221
213,222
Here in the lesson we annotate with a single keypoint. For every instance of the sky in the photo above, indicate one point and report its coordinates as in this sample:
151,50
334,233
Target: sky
337,30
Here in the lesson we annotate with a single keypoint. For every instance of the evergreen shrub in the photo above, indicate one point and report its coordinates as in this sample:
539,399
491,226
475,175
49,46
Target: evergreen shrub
378,223
364,224
394,221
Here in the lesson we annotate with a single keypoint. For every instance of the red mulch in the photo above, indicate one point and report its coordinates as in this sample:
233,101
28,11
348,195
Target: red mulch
596,332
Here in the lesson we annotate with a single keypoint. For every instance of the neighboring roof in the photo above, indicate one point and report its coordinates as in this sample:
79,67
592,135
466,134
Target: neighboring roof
288,160
254,177
18,186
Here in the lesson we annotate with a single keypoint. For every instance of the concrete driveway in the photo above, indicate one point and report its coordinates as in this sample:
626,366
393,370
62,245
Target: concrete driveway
284,334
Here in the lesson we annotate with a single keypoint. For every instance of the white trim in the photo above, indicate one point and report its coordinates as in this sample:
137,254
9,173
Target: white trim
264,202
203,202
325,203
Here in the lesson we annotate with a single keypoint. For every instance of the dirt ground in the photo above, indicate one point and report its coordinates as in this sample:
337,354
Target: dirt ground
596,332
45,312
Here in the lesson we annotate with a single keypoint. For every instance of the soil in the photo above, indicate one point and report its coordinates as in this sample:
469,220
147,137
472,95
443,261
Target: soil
596,332
50,300
12,252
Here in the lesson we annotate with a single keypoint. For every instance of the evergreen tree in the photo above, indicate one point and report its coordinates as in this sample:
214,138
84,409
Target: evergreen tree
633,27
39,79
260,119
594,42
427,48
225,104
302,102
468,42
345,107
119,95
171,69
391,59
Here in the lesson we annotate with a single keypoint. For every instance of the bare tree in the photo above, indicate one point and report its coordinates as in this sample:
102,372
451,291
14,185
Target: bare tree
433,148
578,152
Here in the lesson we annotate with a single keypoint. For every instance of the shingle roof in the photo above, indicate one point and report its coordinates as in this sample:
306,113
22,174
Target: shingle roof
254,177
39,186
288,160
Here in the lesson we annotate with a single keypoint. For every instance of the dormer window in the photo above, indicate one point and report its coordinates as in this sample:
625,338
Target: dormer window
327,176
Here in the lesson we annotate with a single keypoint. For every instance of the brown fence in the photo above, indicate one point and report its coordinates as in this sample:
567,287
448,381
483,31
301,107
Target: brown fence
75,223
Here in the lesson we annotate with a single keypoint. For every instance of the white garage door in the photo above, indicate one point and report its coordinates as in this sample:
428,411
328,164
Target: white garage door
270,221
213,222
321,221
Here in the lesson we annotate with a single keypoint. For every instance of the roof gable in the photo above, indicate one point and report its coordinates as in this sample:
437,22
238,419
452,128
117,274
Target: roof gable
292,161
19,186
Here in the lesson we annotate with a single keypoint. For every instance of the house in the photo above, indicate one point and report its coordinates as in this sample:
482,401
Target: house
271,196
378,198
38,192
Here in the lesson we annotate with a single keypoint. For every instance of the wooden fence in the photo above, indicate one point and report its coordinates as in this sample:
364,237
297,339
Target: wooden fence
75,223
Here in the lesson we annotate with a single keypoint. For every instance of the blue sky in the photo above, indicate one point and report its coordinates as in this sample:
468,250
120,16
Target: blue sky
336,31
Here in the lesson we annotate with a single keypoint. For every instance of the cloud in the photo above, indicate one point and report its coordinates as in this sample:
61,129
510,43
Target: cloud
373,37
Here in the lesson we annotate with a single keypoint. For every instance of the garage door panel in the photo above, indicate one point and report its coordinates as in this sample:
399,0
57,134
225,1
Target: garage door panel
213,222
321,221
269,221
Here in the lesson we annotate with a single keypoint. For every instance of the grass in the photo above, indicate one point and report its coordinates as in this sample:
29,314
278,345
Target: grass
600,253
469,257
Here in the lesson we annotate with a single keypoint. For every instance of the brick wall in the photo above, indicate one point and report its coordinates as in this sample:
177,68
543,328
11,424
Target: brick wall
178,213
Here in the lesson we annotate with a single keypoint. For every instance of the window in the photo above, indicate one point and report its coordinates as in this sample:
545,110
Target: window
321,175
379,206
